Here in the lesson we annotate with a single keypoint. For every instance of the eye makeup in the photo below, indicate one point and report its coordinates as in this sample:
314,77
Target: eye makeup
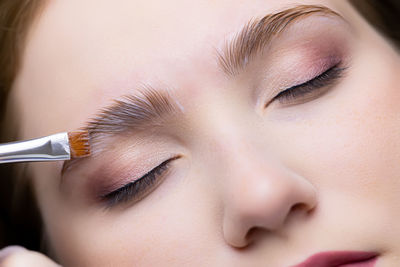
310,89
294,60
301,67
138,188
127,170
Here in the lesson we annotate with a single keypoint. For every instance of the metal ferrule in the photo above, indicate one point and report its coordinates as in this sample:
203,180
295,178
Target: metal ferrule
49,148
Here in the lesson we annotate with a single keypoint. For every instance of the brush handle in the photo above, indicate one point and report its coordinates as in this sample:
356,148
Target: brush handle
49,148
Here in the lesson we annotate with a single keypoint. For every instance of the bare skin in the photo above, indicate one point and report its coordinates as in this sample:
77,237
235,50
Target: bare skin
253,184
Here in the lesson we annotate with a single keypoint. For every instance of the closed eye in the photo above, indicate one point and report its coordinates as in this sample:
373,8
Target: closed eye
139,188
311,89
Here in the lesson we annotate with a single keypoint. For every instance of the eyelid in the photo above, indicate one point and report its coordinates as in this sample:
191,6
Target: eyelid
312,88
140,187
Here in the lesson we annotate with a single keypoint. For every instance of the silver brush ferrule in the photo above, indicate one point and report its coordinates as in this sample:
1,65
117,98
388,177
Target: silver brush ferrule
49,148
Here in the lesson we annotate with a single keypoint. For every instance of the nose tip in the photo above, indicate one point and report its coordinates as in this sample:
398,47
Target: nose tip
266,202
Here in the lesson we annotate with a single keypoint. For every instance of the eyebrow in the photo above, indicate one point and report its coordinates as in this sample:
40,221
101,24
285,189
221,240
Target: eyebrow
258,33
149,107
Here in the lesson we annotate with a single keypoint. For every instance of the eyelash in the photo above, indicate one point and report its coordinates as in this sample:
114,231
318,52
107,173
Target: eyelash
329,77
138,188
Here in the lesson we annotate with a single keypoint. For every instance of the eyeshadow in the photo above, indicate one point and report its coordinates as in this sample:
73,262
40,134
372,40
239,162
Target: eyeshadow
299,57
311,49
259,33
123,162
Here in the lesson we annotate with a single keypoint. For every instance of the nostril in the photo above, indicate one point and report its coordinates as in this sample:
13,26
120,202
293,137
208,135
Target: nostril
250,233
256,233
298,210
301,207
298,207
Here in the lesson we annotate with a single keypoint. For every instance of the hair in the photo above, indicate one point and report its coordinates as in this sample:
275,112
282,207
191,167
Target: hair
383,15
19,217
23,225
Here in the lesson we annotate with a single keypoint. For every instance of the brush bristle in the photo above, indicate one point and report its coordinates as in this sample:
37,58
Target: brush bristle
79,144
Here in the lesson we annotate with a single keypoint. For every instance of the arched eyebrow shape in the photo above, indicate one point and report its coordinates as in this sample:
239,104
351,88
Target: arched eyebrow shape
258,33
149,107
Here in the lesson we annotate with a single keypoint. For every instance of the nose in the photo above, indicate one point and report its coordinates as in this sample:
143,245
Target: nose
260,193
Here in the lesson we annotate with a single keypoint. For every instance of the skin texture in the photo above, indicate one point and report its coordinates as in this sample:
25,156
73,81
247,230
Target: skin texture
253,186
14,256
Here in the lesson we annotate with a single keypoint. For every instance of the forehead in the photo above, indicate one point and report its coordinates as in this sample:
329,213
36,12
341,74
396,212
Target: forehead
81,54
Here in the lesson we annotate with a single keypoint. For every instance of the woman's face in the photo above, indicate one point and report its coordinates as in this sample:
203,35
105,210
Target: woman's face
239,171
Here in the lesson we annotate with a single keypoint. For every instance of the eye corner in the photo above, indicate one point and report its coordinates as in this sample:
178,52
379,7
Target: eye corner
312,88
138,188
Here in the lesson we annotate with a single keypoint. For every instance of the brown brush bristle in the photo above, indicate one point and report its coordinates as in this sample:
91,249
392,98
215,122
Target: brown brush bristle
79,144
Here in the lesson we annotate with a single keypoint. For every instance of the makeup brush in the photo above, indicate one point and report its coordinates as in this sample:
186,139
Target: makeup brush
60,146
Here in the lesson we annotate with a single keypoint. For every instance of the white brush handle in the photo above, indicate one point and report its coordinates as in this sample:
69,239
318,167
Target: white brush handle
49,148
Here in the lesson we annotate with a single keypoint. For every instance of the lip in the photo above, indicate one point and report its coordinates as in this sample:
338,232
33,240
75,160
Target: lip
339,258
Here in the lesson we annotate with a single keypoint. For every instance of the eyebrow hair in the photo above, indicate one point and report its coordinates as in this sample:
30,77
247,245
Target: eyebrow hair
146,108
149,106
258,33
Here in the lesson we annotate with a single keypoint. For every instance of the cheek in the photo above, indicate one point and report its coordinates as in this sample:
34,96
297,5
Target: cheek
348,142
168,228
364,129
348,146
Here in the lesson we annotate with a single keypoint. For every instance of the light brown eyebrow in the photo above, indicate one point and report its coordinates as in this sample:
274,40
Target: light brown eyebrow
258,33
147,108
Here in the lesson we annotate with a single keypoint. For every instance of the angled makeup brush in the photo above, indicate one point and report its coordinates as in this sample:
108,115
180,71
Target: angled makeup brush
60,146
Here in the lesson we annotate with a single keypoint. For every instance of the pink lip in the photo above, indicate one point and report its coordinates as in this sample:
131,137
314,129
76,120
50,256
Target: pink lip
340,258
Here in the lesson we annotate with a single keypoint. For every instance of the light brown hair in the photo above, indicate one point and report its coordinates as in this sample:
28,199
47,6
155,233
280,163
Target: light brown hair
16,18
